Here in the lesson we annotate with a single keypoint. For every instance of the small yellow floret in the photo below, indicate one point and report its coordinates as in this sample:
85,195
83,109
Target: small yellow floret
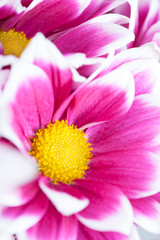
62,152
13,42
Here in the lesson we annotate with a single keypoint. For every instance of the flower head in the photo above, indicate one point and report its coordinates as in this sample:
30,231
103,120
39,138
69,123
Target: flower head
74,160
144,20
64,23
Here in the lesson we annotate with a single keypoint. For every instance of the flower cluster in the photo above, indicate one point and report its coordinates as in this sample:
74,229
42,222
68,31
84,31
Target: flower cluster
79,119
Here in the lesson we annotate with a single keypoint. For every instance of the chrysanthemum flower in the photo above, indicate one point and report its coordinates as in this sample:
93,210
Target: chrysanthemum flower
147,22
74,26
71,163
144,20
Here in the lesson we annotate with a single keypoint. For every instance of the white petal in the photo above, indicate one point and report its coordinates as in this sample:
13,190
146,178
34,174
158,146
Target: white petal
15,168
65,203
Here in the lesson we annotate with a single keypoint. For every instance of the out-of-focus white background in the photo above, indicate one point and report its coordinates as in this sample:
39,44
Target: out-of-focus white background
144,235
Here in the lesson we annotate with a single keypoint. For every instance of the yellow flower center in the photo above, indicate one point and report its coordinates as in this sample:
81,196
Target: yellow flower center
62,151
13,42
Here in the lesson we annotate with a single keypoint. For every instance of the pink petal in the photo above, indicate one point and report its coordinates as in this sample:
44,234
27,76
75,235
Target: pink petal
1,50
103,99
132,137
86,234
26,99
108,6
129,9
94,38
45,55
150,34
97,8
136,172
68,228
109,209
26,3
36,19
146,52
138,129
9,8
16,168
148,15
88,12
146,77
10,13
147,214
64,197
157,197
20,195
23,217
143,64
140,53
54,226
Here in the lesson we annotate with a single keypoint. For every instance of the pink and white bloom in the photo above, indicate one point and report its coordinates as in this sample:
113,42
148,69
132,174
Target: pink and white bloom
74,26
148,22
123,130
144,20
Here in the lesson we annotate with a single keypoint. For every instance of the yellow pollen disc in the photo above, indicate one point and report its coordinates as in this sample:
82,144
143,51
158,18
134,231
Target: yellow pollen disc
62,151
13,42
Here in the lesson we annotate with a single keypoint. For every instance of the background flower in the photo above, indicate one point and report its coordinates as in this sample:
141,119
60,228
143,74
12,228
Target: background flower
74,26
144,20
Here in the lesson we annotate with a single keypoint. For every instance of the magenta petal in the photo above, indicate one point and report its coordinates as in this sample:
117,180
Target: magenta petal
23,217
147,214
148,16
108,6
9,8
25,96
143,63
150,34
94,38
26,3
132,139
10,13
1,49
54,226
139,128
146,77
103,99
157,197
129,9
97,8
86,234
45,55
65,198
89,12
108,210
136,172
68,228
48,16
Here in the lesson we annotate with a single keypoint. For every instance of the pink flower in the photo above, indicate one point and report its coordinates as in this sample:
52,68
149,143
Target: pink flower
74,26
144,20
117,133
148,22
147,213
